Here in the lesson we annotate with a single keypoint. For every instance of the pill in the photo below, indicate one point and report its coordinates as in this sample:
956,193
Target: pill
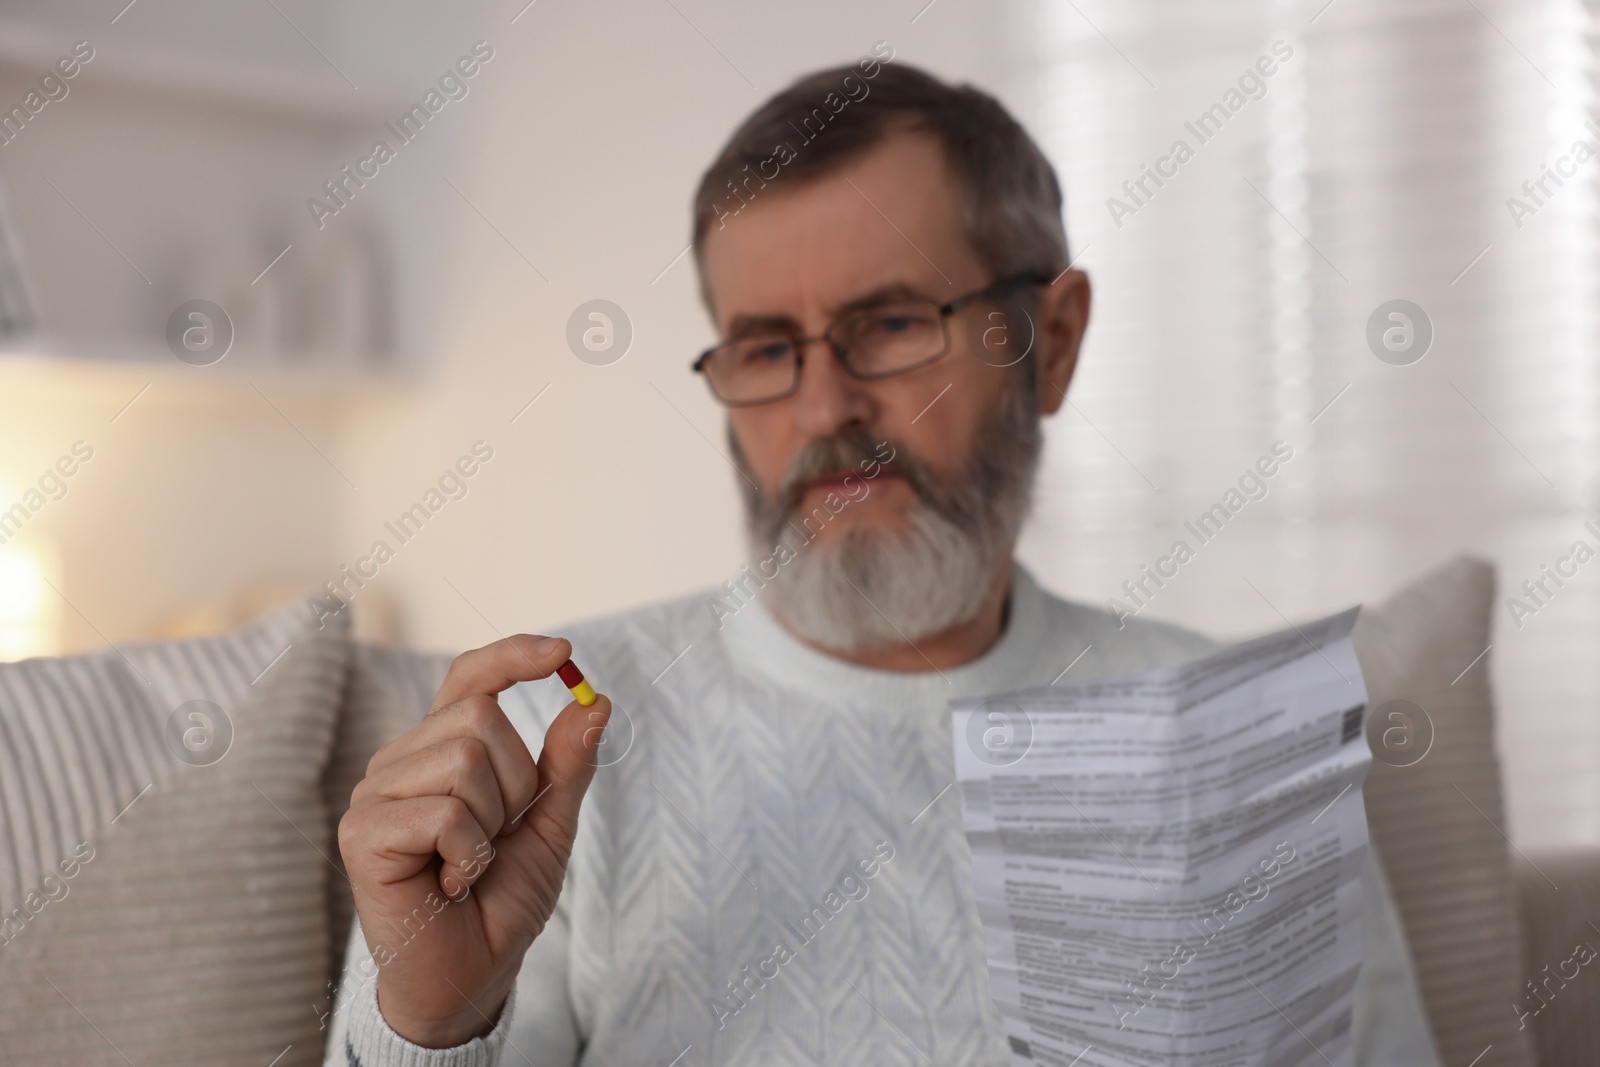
573,679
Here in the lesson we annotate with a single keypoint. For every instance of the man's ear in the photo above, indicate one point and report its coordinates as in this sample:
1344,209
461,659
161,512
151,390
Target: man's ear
1063,315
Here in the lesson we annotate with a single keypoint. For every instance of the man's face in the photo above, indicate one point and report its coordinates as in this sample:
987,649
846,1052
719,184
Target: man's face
887,223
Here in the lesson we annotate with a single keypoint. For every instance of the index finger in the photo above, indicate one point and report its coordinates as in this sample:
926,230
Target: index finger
497,667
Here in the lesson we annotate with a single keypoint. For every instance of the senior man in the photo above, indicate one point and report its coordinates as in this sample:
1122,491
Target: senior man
775,871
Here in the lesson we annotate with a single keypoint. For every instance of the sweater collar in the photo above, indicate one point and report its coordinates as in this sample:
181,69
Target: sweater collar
758,643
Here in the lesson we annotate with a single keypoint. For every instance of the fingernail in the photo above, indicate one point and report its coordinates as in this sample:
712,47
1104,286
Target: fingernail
547,646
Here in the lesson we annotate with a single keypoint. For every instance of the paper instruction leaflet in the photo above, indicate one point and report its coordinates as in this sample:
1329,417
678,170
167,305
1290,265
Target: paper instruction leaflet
1168,865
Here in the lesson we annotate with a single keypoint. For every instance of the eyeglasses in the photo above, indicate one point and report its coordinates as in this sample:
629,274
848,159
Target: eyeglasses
876,342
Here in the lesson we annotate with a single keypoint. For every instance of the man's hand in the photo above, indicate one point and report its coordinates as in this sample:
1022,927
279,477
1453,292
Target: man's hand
456,843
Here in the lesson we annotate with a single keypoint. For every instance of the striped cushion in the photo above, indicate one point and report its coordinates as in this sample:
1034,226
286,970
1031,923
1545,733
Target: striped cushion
1436,822
165,883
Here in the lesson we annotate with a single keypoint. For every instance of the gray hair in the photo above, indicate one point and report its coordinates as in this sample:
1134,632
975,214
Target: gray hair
1011,200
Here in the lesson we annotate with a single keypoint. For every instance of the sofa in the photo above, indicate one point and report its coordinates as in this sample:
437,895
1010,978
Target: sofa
171,890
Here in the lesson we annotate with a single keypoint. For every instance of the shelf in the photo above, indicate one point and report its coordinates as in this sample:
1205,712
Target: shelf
323,98
83,373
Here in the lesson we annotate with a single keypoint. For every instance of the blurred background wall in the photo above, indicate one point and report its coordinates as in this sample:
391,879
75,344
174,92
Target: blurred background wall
374,347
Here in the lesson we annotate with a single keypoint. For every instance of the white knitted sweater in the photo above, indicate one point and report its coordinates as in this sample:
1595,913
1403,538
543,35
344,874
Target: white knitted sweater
775,871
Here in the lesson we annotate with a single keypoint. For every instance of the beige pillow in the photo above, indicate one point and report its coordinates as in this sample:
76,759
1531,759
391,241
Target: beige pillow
169,858
1554,924
1435,807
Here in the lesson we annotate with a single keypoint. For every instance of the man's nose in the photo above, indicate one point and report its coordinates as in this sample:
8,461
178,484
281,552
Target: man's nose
828,398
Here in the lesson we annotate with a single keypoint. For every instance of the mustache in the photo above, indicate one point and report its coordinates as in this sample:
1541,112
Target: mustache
998,470
853,451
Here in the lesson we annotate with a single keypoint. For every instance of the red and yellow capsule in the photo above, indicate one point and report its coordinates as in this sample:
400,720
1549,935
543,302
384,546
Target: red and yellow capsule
573,679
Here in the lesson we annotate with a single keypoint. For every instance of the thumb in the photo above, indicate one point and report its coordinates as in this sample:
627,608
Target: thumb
566,767
519,892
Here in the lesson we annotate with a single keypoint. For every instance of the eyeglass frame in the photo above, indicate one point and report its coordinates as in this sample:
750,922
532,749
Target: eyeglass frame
947,309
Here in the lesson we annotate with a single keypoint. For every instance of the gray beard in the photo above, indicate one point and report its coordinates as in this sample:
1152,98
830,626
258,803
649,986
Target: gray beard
868,589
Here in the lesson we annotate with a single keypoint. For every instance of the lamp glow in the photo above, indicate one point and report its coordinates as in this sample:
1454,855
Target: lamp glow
25,622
